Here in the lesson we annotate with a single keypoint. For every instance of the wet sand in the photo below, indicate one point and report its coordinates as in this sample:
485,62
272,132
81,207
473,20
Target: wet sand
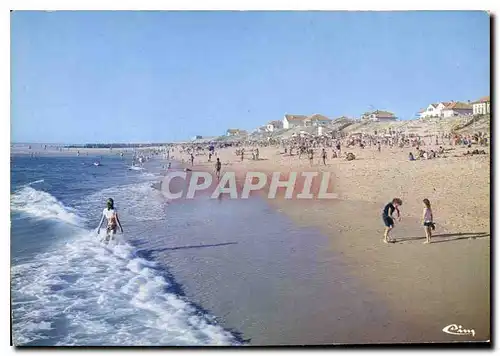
274,282
423,287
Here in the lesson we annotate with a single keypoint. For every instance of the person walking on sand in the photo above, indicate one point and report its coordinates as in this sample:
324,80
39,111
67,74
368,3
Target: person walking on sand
388,219
427,220
192,160
217,168
311,156
323,155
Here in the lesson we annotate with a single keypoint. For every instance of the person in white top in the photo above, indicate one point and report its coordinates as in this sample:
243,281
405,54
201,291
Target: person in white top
111,215
428,220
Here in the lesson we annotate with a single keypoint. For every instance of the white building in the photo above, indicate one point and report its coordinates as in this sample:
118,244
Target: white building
291,121
236,132
379,116
232,132
274,125
434,110
457,108
261,129
321,130
482,106
317,120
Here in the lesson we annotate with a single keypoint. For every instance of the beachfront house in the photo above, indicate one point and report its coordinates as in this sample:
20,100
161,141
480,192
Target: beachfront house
291,121
317,120
481,106
457,108
197,137
434,110
274,125
379,116
233,132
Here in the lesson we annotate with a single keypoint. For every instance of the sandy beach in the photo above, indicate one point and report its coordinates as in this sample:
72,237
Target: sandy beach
425,286
288,271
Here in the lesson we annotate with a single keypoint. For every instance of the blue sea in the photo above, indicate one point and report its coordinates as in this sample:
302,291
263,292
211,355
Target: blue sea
69,289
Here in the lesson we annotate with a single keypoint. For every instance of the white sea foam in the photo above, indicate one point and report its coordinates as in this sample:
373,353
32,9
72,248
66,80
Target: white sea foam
85,293
136,202
149,175
104,296
135,168
36,182
41,205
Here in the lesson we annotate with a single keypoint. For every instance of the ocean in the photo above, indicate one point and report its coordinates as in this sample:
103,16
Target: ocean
189,272
69,289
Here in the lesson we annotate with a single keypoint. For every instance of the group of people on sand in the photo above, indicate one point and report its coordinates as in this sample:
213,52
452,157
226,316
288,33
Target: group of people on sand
422,154
393,206
240,152
474,152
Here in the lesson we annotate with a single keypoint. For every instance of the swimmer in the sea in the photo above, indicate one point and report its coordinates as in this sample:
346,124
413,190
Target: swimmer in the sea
111,215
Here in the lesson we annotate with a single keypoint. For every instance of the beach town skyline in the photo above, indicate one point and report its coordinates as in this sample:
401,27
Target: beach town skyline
184,74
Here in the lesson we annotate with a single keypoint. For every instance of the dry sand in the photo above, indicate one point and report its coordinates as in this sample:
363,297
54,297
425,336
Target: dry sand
430,286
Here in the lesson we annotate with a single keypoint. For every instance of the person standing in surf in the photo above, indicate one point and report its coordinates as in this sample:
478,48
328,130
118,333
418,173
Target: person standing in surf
111,215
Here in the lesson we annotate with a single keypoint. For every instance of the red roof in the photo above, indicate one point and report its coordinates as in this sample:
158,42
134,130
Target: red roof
484,99
295,117
458,105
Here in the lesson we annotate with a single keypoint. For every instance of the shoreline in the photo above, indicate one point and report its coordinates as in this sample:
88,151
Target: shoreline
274,282
345,285
430,286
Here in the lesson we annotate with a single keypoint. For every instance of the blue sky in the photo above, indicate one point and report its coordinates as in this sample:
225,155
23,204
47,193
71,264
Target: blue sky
113,76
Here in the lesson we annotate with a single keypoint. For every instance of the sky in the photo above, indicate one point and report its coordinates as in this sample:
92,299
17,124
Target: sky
96,76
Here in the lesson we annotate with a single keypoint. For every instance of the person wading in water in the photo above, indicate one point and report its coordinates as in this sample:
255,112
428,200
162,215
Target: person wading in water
111,215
